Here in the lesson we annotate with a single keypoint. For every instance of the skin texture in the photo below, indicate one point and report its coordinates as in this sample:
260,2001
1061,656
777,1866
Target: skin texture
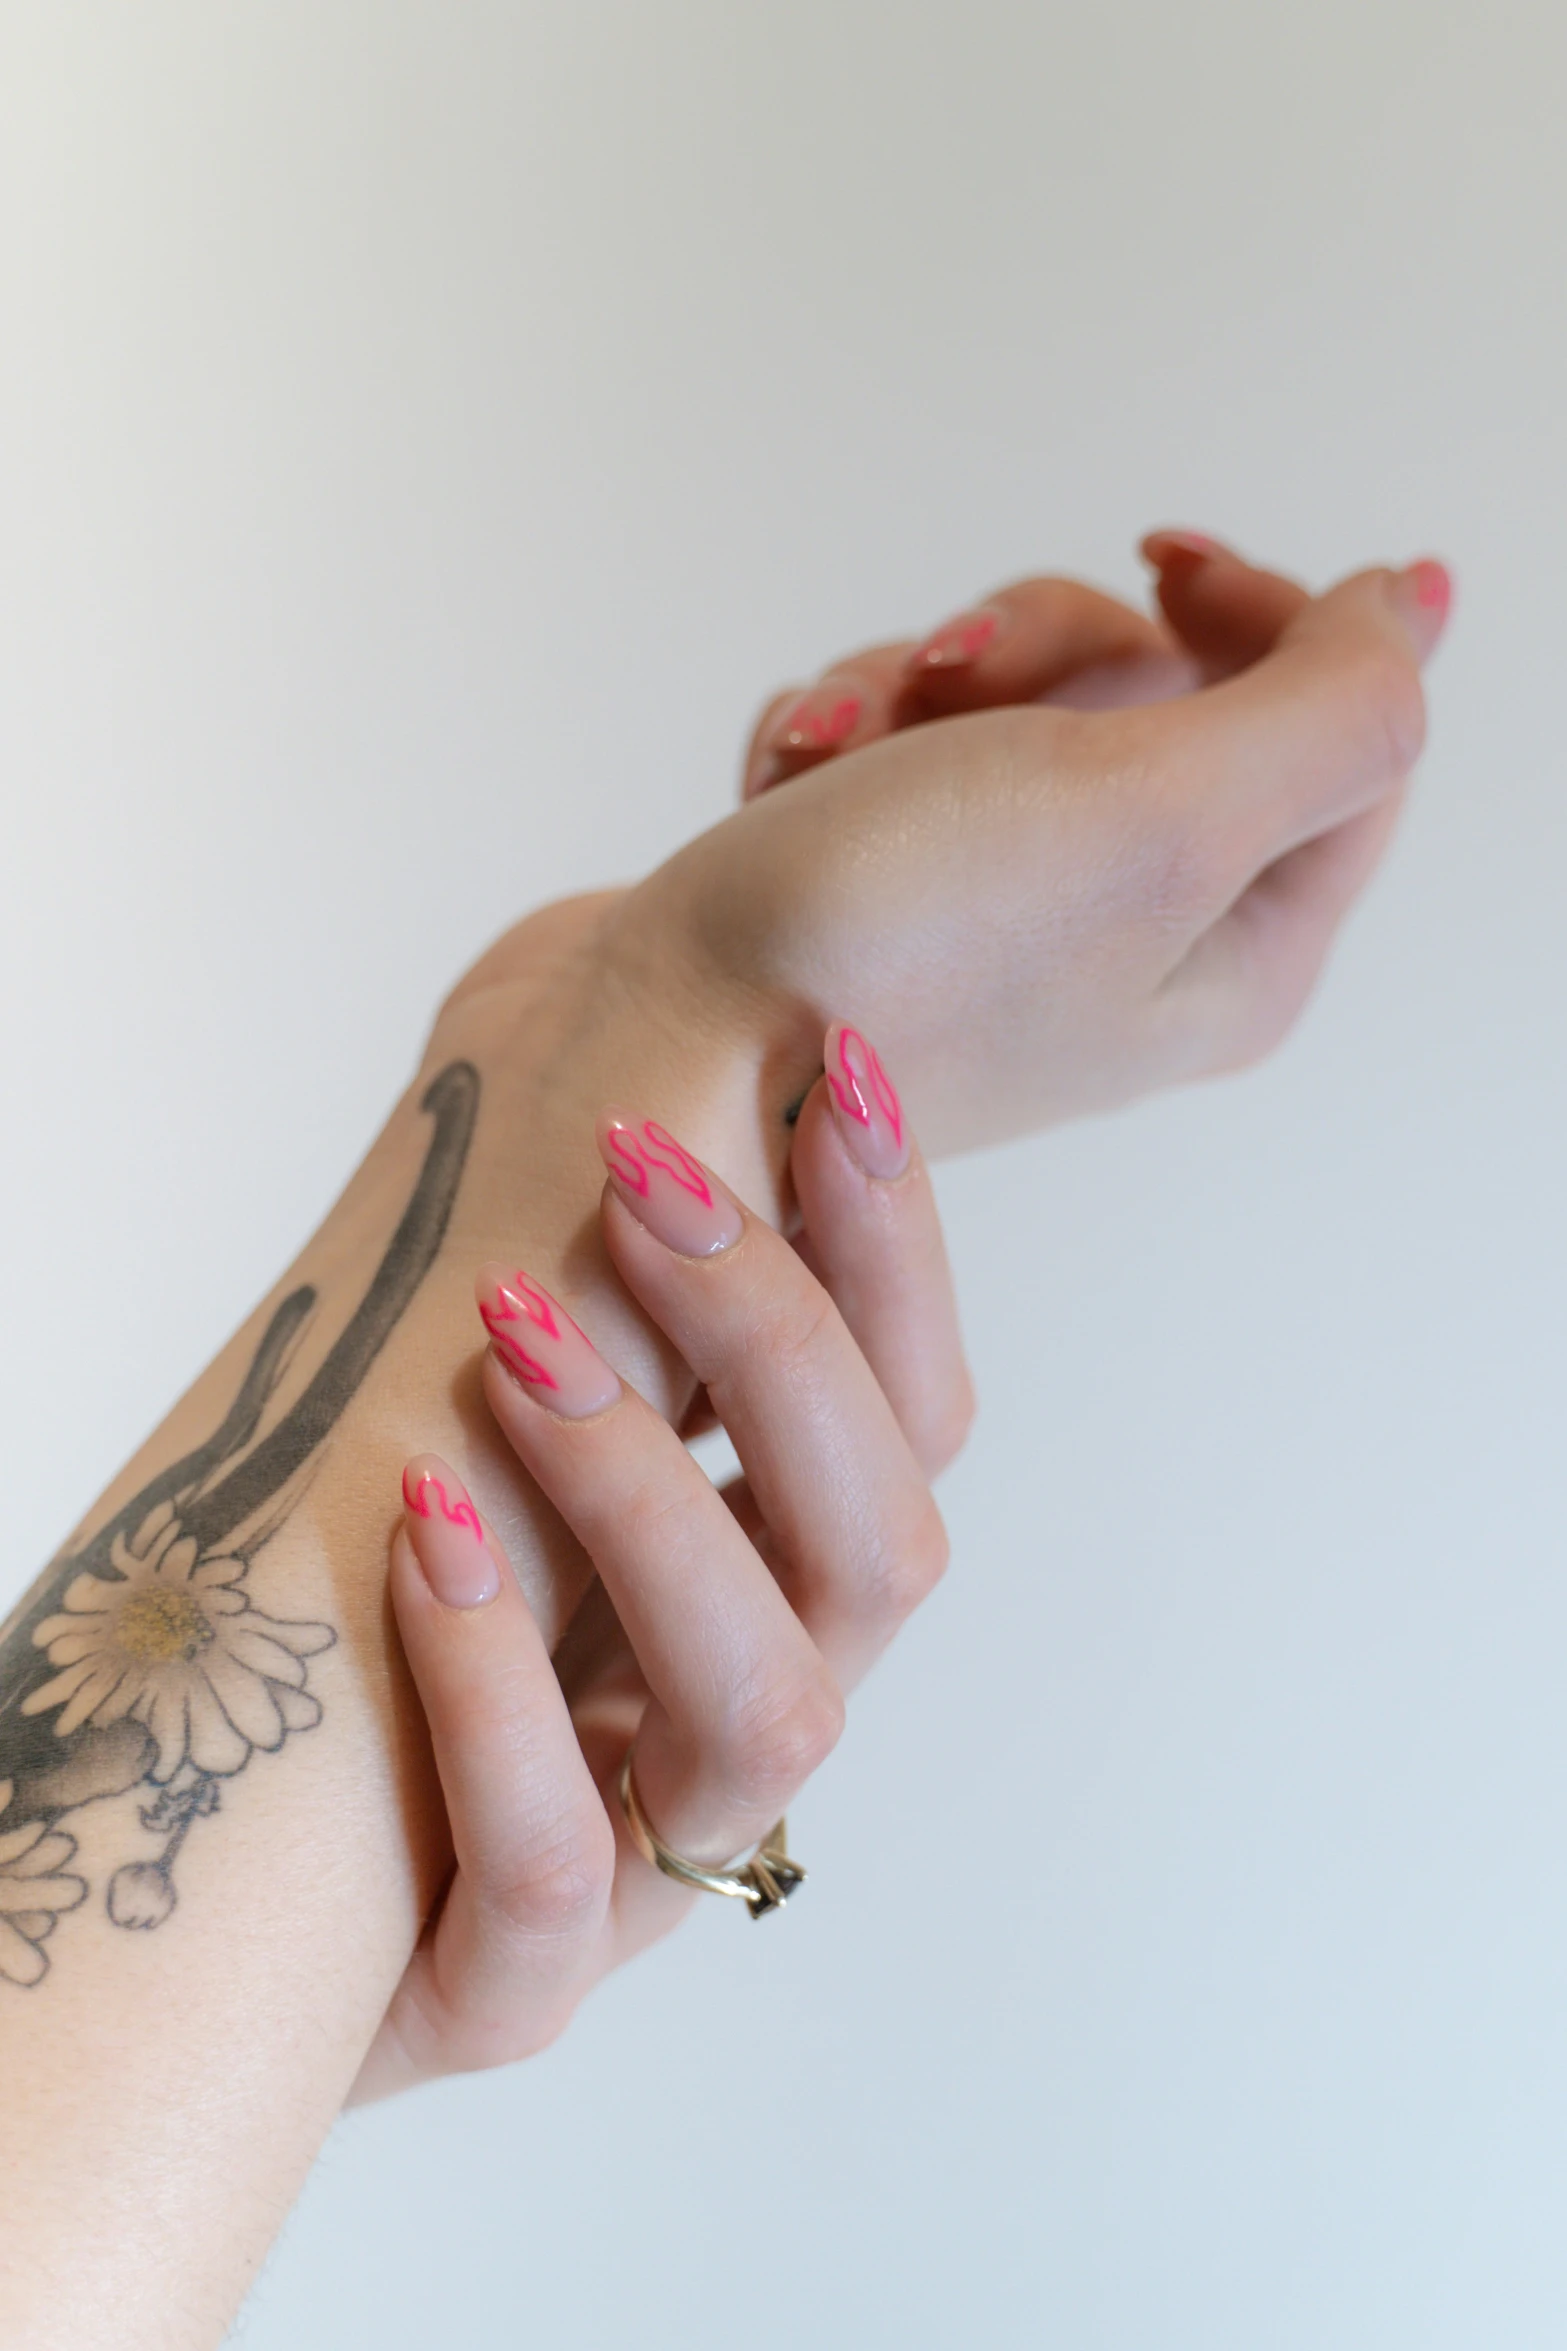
1034,911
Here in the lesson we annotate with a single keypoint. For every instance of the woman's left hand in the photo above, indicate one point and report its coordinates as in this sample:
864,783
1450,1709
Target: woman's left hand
725,1627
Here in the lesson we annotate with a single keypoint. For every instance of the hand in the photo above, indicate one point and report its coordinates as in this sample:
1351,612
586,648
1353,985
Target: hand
726,1627
1044,882
1037,910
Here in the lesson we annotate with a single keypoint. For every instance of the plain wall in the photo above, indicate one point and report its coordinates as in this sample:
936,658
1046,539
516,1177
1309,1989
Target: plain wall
425,432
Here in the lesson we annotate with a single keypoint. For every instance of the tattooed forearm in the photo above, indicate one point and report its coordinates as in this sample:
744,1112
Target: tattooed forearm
141,1661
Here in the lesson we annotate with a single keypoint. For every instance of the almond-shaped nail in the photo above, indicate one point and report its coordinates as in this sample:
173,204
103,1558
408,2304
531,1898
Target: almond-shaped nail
958,641
666,1188
1195,543
541,1346
447,1538
1423,592
819,721
865,1102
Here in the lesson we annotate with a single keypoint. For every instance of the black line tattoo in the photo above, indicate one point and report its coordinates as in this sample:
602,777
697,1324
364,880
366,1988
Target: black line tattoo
140,1660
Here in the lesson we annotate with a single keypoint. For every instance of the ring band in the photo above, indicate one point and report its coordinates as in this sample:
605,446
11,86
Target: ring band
764,1883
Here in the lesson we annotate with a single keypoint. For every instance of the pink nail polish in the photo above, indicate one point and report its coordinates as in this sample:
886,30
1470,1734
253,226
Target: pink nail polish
958,641
819,721
1423,597
865,1103
541,1346
447,1538
666,1189
1433,585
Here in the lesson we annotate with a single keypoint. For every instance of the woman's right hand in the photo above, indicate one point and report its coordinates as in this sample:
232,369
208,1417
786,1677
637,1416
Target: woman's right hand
728,1626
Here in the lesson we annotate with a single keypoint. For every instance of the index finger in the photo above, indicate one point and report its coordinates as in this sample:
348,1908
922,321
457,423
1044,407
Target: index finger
1324,727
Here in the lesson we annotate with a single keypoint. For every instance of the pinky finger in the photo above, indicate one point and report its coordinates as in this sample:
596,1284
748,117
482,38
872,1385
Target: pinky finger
512,1950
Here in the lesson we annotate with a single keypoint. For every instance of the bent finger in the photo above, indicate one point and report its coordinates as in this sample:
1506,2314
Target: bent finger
851,704
874,1233
533,1846
742,1706
1228,612
1245,982
858,1536
1324,727
1027,641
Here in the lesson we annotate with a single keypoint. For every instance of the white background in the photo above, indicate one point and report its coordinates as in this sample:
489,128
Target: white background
424,433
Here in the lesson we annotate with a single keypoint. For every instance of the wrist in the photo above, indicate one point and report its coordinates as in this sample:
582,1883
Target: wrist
587,1005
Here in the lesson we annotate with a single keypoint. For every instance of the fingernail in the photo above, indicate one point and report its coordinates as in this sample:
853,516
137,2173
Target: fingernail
1429,585
542,1347
819,721
666,1189
865,1103
1422,596
958,641
1195,546
447,1538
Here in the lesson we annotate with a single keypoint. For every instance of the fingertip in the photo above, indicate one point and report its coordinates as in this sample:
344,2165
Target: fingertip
1422,597
866,1106
1168,549
957,643
445,1535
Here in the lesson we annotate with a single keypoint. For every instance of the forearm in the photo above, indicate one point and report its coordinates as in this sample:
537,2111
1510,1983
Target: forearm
239,1765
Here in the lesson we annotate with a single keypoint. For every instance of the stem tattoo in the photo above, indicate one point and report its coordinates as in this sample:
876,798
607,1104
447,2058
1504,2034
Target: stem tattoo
140,1660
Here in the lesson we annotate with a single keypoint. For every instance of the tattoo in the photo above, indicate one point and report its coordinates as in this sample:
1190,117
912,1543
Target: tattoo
140,1661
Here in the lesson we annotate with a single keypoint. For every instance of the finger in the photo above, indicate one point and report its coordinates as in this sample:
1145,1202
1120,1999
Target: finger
1243,985
876,1244
859,1538
1323,728
512,1947
1225,610
1029,641
850,704
743,1707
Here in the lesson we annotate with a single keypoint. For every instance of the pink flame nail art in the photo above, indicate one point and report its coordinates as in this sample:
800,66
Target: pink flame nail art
460,1514
818,722
507,1306
865,1103
653,1148
667,1188
959,640
858,1089
537,1341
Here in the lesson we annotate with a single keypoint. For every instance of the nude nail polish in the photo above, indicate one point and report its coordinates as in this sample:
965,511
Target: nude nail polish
865,1103
958,641
447,1538
666,1189
1189,543
819,721
542,1347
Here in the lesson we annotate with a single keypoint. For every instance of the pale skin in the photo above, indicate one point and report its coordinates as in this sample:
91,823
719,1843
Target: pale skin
1035,911
727,1630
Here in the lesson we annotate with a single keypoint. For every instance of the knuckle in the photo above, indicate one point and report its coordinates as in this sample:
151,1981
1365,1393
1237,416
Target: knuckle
556,1892
778,1740
950,1424
790,1327
481,2044
659,1517
1394,701
914,1560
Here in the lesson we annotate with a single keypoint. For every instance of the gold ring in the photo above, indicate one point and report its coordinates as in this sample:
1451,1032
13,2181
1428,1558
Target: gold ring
764,1883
